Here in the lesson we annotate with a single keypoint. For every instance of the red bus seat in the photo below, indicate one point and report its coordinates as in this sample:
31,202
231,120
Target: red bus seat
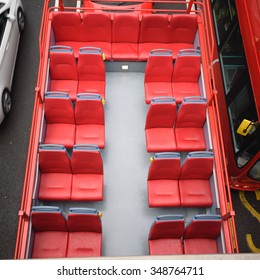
160,120
63,71
87,169
125,36
98,31
186,73
154,34
90,120
50,232
68,30
158,75
91,71
162,181
165,236
201,235
183,28
55,173
85,233
60,120
189,124
194,180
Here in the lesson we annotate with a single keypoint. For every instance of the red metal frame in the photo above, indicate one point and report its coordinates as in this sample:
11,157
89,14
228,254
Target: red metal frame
249,19
208,48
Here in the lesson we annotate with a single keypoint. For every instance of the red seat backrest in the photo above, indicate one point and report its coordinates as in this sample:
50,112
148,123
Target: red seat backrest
48,221
58,108
192,113
54,160
165,166
86,160
197,168
159,67
67,26
161,114
84,222
186,69
97,27
154,28
89,111
168,228
63,64
183,28
125,28
209,229
91,66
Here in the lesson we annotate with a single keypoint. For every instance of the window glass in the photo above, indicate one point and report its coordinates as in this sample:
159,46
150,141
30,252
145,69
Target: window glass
232,58
249,149
222,18
3,20
239,95
254,172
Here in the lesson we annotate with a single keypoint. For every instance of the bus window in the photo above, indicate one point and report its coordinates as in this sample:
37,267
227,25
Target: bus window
254,172
223,13
250,147
232,58
241,107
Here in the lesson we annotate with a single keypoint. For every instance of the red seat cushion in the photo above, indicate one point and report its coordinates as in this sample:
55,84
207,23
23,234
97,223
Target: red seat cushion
183,28
163,193
50,244
84,244
60,133
195,193
55,186
157,89
190,139
97,87
160,139
125,51
98,31
167,246
87,187
90,134
181,90
125,35
200,246
69,86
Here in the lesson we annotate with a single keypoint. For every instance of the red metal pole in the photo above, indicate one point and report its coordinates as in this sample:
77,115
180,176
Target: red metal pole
61,5
189,6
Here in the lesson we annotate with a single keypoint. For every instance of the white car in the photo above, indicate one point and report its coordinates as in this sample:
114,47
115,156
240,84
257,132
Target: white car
11,26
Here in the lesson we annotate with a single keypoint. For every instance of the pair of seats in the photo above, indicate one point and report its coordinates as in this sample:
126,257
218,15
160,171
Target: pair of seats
87,74
169,184
125,36
169,130
168,235
79,178
80,235
178,80
66,125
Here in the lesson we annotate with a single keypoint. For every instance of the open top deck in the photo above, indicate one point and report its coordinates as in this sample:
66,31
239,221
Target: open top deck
126,199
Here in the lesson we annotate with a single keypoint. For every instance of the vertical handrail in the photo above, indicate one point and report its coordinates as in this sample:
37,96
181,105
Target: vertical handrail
189,6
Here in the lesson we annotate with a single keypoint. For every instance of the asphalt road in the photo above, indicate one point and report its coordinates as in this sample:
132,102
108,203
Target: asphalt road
14,139
15,130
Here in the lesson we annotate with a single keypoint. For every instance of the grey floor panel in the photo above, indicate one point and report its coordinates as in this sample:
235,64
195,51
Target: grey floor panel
126,217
